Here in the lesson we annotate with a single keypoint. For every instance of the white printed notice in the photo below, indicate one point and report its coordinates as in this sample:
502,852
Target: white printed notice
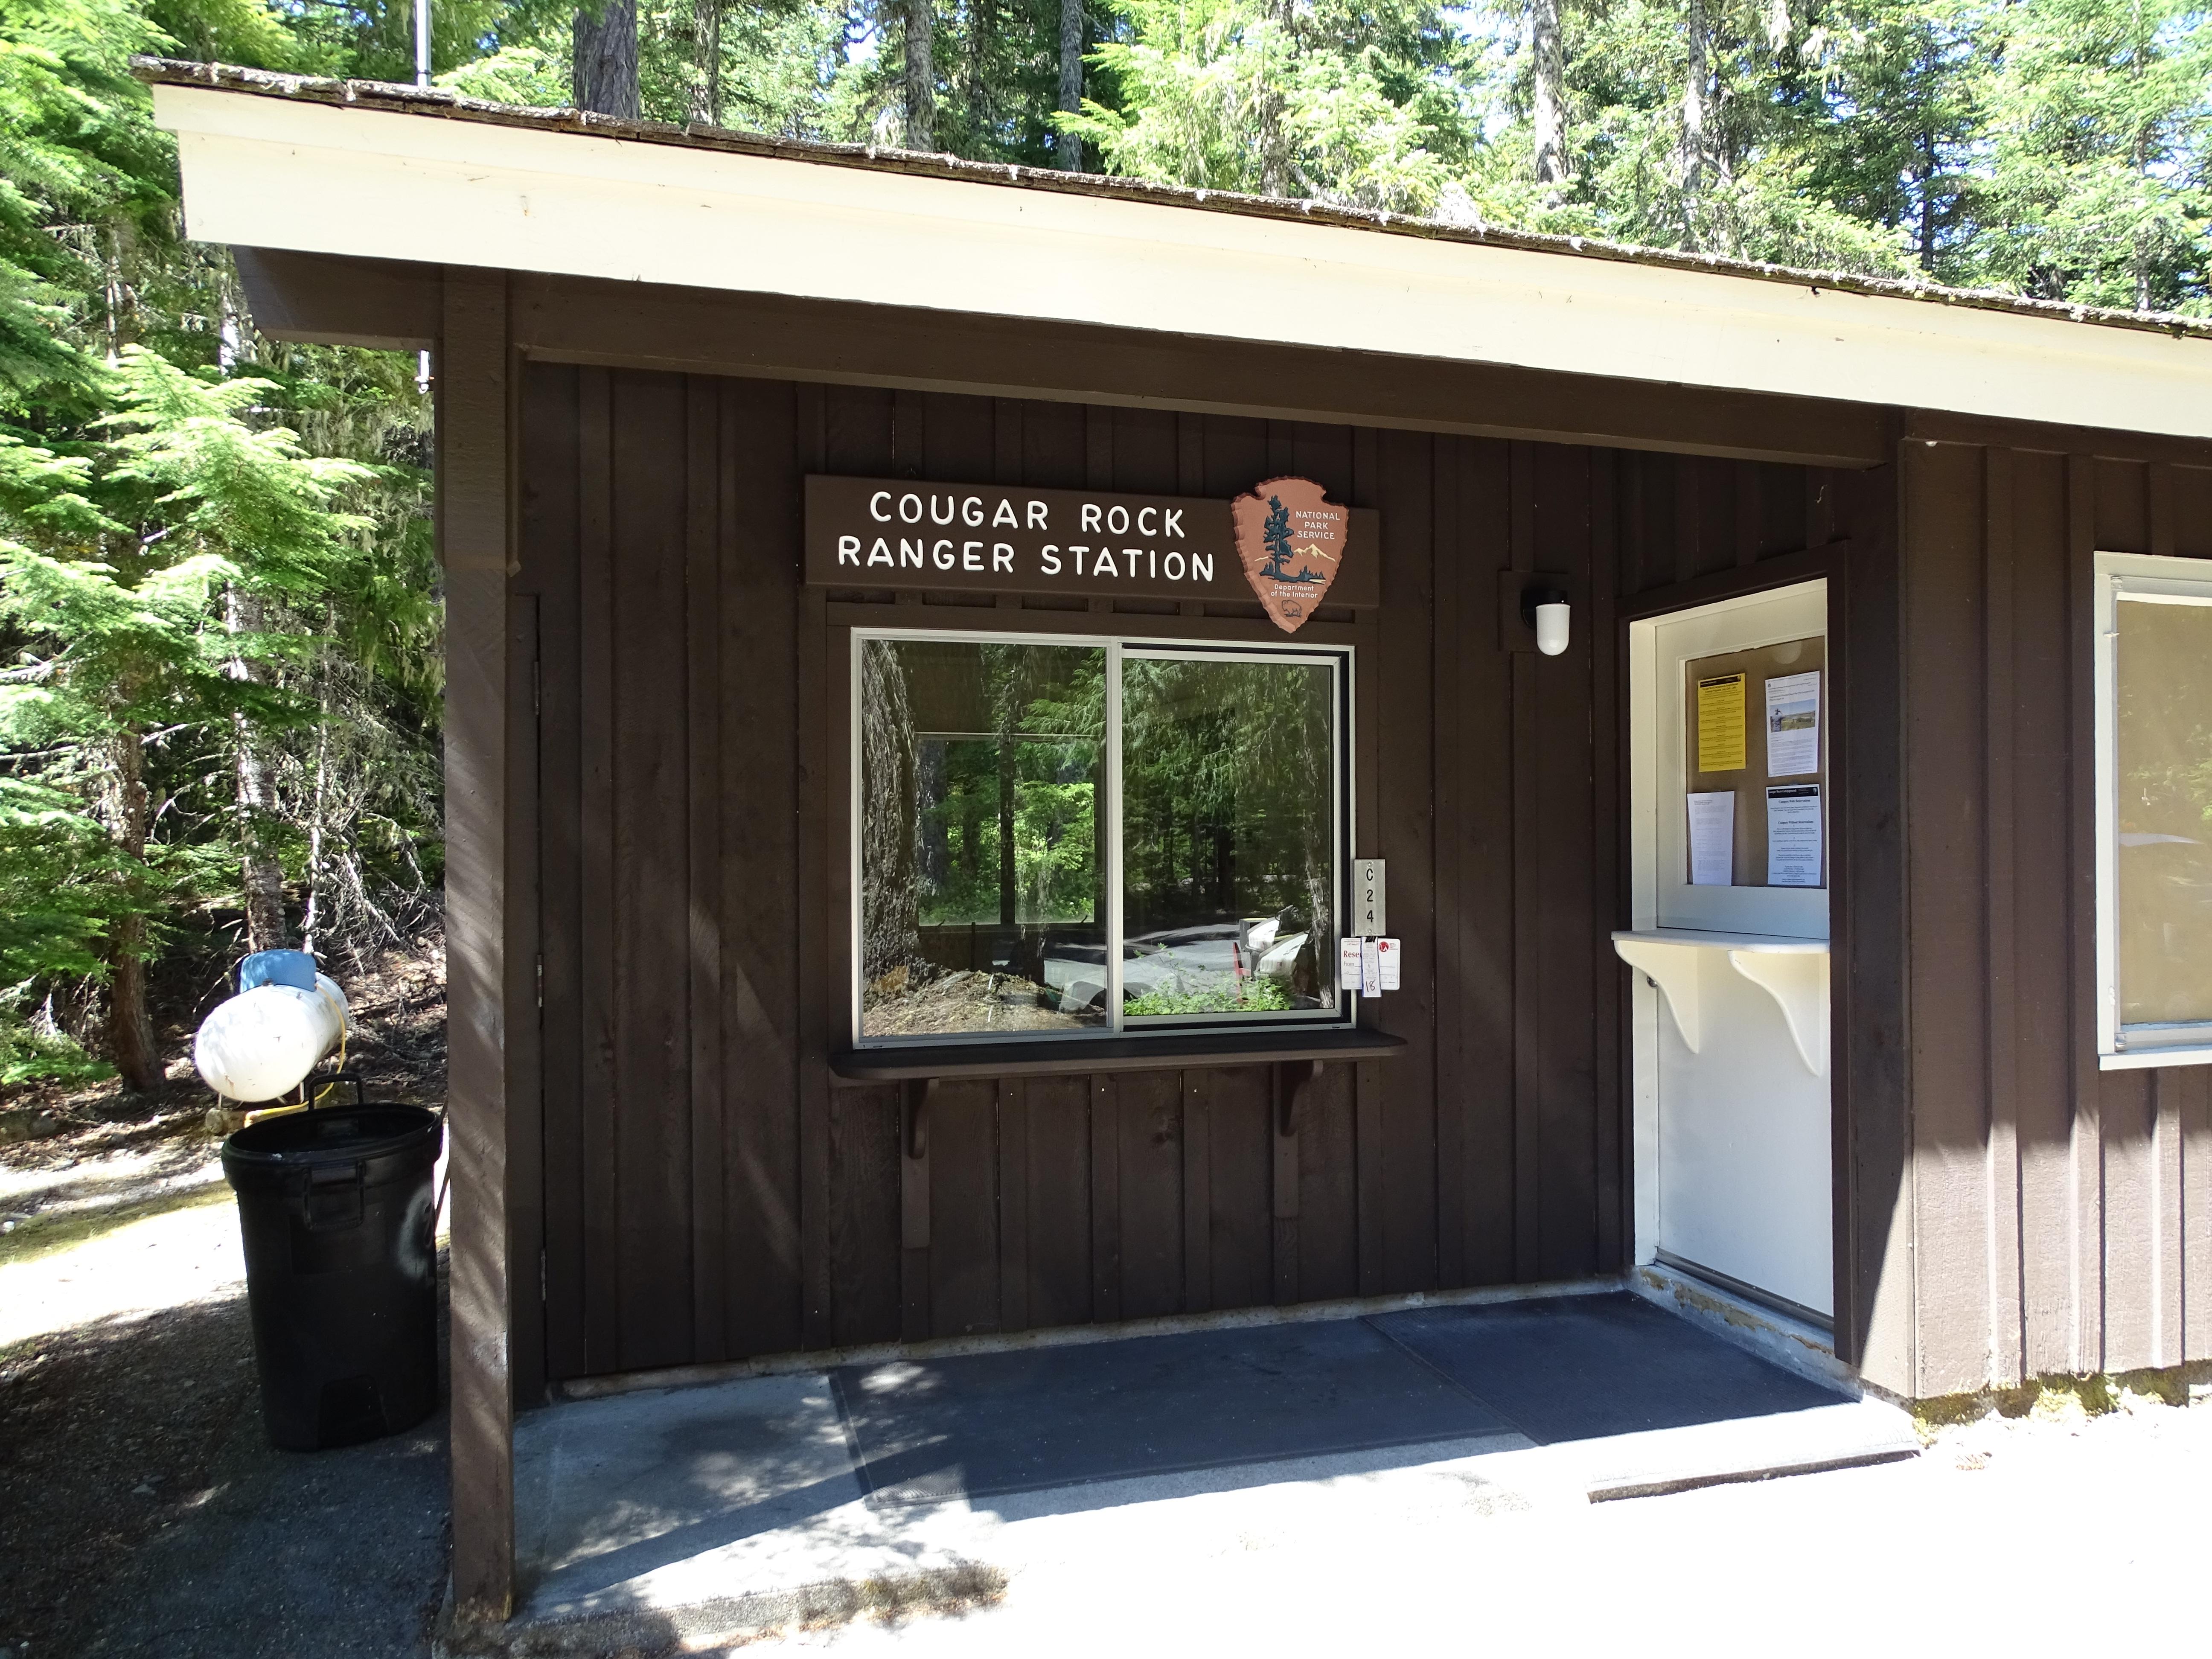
1792,725
1385,963
1347,964
1793,835
1712,839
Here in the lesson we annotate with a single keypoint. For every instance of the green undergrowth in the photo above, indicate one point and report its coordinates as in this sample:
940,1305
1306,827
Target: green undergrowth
2059,1397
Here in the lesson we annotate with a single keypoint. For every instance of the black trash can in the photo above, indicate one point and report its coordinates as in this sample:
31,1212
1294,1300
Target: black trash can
340,1269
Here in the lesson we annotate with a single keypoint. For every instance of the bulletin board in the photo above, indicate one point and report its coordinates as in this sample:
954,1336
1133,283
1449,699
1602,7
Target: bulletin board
1745,712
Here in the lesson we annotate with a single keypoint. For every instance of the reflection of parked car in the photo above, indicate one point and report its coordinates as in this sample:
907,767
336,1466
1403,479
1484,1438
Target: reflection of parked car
2165,899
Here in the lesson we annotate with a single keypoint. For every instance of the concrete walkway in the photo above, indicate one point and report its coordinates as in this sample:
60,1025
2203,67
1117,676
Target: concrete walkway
694,1516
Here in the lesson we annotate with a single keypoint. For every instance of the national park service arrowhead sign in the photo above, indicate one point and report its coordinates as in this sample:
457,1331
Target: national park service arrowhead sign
1292,539
1211,553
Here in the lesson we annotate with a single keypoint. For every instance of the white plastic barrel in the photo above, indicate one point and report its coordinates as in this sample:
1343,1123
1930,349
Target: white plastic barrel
262,1043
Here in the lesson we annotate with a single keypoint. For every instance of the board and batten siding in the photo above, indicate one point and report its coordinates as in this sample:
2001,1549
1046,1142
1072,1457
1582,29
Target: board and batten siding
708,1195
2085,1194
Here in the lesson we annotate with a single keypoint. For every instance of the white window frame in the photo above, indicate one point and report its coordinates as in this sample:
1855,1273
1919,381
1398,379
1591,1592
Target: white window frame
1340,658
2133,579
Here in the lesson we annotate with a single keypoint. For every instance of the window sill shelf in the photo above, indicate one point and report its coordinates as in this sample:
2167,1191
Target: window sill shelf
1063,1057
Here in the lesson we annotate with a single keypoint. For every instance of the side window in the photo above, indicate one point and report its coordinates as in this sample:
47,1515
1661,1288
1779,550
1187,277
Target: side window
2154,830
1060,837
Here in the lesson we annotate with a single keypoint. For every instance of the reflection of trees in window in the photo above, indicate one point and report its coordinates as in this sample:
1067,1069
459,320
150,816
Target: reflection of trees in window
889,895
1228,777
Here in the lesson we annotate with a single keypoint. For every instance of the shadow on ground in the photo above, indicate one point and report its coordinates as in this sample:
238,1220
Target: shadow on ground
143,1511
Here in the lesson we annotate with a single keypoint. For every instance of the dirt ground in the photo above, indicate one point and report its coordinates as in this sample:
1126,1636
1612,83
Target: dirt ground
141,1511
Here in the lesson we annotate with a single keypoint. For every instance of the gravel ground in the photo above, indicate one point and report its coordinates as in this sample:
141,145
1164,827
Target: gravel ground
141,1510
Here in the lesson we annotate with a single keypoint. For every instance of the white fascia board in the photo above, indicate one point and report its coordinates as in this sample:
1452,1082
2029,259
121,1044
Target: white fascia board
264,172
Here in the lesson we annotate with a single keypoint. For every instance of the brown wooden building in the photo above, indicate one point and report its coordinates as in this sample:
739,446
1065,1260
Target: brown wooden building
679,1140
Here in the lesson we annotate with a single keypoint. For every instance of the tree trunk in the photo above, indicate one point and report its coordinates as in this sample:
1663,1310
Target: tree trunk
890,934
1009,898
707,62
1550,95
261,877
1067,148
921,77
1696,136
603,72
131,1043
1274,141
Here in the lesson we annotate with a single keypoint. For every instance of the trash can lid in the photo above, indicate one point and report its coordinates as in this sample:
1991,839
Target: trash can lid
344,1134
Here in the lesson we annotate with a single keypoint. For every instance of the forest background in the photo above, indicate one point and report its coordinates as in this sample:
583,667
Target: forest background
220,647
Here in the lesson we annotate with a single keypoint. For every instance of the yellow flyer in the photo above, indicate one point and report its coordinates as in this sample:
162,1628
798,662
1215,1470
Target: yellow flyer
1720,724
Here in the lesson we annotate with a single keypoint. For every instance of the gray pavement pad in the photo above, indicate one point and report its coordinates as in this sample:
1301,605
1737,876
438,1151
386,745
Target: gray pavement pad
670,1520
988,1424
1584,1367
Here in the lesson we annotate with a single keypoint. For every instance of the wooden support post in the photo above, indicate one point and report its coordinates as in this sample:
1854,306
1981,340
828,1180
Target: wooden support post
474,495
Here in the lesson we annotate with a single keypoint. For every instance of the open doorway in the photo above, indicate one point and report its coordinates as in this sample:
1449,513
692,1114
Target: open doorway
1728,726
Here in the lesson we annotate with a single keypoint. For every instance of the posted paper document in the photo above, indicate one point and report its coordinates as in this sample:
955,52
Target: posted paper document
1712,839
1792,725
1720,724
1793,835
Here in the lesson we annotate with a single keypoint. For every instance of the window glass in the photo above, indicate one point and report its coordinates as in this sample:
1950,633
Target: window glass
1229,855
982,865
1041,825
2163,707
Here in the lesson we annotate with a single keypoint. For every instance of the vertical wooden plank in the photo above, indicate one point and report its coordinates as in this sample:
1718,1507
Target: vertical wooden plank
1367,1159
1681,471
1147,451
1612,1098
2168,1287
1097,447
1190,454
652,866
1750,515
1105,1108
2127,1115
1459,575
1478,838
1565,845
1239,1229
1007,440
2007,1337
550,526
703,614
1197,1193
2196,1219
1014,1211
1328,1209
525,1069
1405,761
1150,1161
964,1158
1286,1083
2086,1215
863,1250
596,882
823,1018
1877,1321
2040,973
1945,608
757,815
474,515
1528,1053
1055,1209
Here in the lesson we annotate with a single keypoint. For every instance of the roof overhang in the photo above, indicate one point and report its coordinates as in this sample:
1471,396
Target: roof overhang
266,171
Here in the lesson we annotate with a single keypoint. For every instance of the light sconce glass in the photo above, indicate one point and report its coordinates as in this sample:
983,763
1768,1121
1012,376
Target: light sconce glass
1547,612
